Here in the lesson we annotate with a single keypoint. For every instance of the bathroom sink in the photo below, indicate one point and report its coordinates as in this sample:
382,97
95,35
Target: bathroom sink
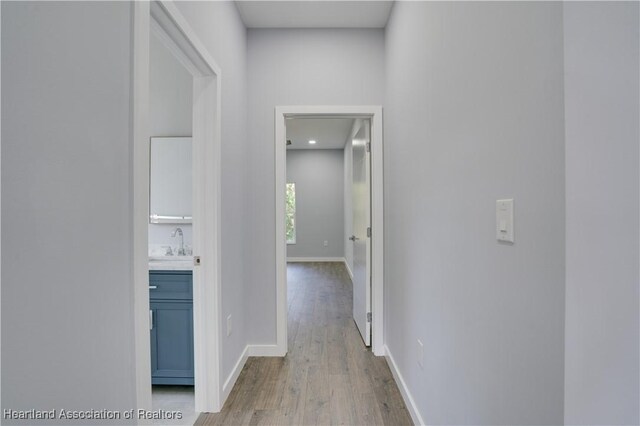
170,259
171,263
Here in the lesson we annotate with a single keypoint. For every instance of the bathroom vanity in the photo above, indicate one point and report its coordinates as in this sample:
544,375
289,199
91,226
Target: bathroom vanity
171,272
171,324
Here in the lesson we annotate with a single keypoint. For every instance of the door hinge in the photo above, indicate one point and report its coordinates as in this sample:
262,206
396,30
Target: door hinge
368,146
368,316
369,232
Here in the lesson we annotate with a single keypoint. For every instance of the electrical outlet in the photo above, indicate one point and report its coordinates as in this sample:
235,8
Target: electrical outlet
420,354
229,325
326,243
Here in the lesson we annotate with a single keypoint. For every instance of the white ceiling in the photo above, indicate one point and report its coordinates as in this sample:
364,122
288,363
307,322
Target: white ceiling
329,133
315,13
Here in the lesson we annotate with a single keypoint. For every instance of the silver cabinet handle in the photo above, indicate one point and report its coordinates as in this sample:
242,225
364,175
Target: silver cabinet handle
150,319
153,287
353,238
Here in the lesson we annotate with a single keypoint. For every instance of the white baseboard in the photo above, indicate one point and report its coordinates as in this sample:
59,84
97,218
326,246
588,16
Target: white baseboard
346,265
406,395
315,259
233,376
265,350
249,350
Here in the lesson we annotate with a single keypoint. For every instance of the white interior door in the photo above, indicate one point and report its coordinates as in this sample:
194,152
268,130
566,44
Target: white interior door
361,198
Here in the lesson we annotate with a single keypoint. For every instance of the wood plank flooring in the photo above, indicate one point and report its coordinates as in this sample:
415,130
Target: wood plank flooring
328,377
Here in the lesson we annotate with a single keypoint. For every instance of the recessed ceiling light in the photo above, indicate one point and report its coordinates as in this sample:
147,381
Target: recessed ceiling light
312,142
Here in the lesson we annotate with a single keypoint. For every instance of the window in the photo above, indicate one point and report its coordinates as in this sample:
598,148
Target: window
291,213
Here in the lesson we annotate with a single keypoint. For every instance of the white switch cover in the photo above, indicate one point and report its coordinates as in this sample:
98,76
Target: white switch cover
504,220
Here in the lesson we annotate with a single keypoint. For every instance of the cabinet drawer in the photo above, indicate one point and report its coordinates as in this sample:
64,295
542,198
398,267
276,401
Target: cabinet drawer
175,285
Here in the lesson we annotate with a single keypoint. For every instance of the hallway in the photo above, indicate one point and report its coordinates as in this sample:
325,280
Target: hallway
328,375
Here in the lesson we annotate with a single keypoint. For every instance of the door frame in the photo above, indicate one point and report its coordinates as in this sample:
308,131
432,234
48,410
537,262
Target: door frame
166,21
374,113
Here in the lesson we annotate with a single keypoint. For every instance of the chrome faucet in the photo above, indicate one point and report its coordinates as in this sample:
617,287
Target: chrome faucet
178,231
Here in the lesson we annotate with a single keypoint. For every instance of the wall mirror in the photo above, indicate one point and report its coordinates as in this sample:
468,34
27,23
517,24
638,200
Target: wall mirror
170,180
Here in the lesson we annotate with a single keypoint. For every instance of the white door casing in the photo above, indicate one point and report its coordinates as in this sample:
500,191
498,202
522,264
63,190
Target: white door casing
361,209
171,27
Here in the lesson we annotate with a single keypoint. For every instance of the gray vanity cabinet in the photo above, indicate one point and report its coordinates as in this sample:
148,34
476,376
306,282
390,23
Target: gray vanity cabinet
171,316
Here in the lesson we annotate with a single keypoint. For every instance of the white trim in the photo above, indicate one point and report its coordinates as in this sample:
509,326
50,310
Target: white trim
206,222
404,390
0,199
377,233
140,200
173,29
377,213
235,373
349,271
184,39
281,237
315,259
265,350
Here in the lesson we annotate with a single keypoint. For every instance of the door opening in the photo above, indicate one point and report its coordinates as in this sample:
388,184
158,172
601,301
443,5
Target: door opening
167,23
367,230
327,193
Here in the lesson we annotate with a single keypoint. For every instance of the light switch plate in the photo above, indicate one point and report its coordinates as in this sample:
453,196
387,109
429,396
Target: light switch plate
504,220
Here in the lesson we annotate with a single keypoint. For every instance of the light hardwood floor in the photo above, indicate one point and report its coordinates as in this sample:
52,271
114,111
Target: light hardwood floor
328,376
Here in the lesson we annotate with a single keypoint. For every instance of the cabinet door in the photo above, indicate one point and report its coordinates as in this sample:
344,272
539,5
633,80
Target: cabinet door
172,343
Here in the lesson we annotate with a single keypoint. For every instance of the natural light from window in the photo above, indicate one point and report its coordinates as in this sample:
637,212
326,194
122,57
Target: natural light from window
291,213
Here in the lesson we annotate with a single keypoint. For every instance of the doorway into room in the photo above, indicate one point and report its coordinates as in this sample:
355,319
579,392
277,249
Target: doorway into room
185,309
171,232
330,228
328,212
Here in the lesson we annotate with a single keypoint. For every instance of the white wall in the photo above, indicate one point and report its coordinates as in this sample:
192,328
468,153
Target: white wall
219,27
67,299
66,178
319,178
170,92
289,67
474,113
170,114
601,112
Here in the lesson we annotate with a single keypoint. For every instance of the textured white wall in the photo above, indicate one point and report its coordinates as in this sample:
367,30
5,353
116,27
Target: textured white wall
293,67
170,114
474,113
602,132
319,178
67,300
219,27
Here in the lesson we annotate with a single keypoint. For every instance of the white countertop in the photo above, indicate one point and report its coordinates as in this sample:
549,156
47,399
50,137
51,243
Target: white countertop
171,263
